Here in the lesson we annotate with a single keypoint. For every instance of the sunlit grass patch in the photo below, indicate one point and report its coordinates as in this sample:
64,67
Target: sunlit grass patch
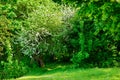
66,73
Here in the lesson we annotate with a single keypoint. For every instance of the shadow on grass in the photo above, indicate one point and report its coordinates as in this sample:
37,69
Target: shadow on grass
49,69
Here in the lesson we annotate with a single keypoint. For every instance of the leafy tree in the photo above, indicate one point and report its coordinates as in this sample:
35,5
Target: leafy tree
96,33
9,27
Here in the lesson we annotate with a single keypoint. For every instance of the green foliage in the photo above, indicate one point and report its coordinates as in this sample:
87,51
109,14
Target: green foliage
9,27
78,58
47,15
96,31
88,34
13,69
34,42
46,31
40,17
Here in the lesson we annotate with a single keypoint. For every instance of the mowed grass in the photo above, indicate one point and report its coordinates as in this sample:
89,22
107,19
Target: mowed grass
62,72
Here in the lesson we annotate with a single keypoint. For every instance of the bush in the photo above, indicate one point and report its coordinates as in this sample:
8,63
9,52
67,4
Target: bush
13,69
9,28
45,33
96,31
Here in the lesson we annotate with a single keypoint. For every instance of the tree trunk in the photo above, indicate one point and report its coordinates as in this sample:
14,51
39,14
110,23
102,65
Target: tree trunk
38,59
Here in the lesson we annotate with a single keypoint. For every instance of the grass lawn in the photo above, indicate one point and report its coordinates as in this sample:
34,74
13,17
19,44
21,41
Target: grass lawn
62,72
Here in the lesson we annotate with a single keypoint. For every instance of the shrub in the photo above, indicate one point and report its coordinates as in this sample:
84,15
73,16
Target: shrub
13,69
96,31
9,27
45,33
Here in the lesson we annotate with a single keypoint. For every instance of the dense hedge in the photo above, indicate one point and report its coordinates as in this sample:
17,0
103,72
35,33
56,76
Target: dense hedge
10,25
95,37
